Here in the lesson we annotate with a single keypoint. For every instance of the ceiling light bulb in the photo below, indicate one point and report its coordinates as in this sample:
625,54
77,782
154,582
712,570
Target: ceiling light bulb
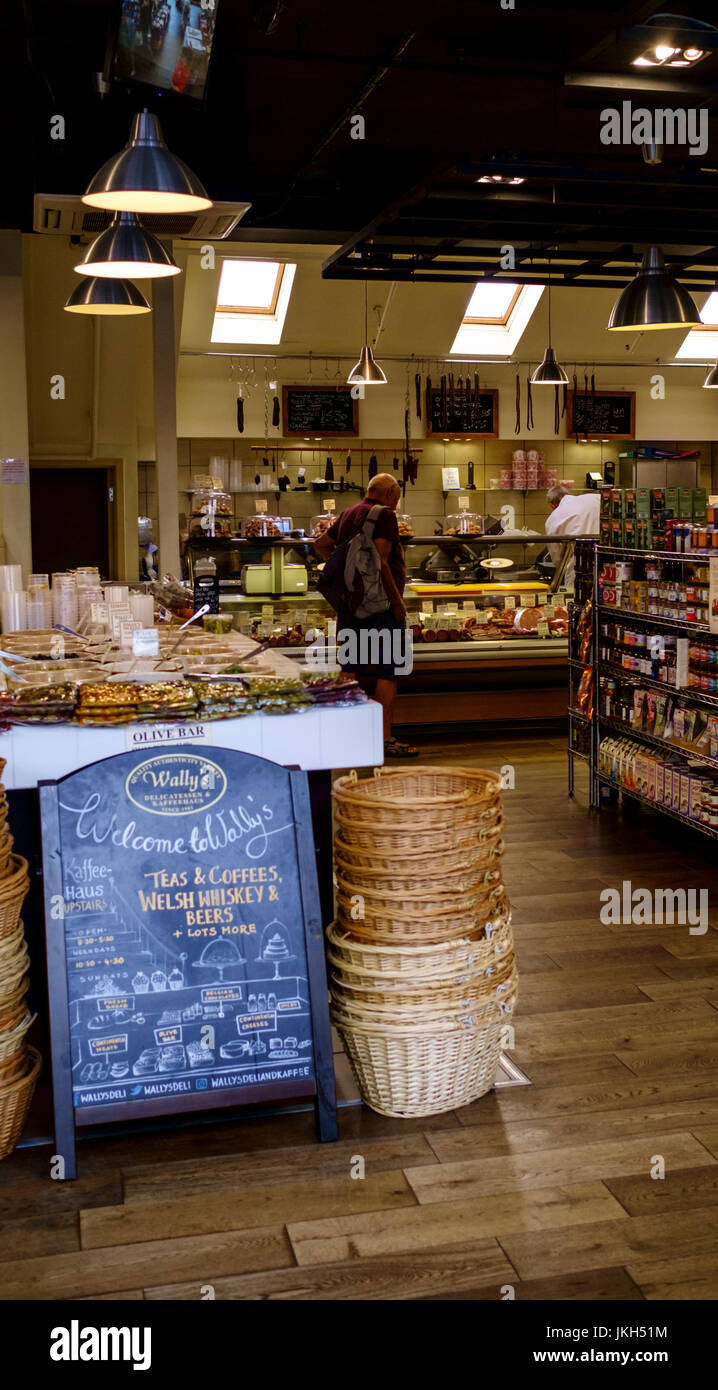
126,251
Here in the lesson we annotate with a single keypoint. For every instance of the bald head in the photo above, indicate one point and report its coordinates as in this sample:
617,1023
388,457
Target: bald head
385,489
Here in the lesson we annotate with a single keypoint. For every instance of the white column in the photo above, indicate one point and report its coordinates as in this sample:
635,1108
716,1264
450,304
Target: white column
14,437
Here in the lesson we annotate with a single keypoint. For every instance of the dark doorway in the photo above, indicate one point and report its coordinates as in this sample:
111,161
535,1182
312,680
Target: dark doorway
69,518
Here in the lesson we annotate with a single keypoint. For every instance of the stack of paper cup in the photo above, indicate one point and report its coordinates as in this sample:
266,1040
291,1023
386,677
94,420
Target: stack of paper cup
14,610
64,600
87,594
10,578
143,608
39,604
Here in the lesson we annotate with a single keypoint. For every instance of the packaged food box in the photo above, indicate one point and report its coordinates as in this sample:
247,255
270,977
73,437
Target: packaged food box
699,504
629,502
652,773
684,804
672,500
660,778
617,502
606,501
676,800
657,500
685,503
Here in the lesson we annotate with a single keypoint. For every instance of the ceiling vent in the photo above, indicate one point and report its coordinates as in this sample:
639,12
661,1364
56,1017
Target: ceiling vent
62,215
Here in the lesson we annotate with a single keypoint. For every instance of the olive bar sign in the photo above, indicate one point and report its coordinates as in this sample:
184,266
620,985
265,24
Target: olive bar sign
184,939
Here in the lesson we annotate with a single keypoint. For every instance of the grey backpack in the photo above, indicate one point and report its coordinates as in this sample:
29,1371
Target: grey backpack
352,575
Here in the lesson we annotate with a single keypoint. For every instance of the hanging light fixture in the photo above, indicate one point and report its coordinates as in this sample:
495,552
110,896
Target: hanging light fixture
654,299
549,372
366,372
712,378
126,251
146,176
105,296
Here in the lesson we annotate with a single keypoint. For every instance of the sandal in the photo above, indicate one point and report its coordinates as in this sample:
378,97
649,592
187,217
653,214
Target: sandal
394,749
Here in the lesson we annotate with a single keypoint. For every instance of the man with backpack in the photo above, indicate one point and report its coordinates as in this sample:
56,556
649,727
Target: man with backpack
363,579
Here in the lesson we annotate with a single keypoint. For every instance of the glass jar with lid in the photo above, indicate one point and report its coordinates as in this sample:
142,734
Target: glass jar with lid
320,524
463,524
406,524
262,526
212,513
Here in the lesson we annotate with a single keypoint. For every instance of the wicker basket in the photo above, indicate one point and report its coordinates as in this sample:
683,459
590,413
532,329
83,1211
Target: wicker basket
419,864
452,959
397,839
437,998
12,1042
436,901
421,796
422,1070
12,894
15,1098
470,879
14,960
419,927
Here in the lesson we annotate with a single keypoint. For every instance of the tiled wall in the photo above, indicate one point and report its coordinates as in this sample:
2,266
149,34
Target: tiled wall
425,501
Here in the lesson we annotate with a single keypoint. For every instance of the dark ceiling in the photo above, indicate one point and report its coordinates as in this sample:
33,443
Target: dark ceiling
448,92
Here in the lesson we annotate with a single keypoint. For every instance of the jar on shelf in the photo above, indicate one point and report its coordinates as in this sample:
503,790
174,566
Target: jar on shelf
211,513
406,524
463,524
262,526
320,524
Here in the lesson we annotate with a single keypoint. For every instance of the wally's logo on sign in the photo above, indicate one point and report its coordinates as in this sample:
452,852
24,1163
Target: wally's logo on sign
176,784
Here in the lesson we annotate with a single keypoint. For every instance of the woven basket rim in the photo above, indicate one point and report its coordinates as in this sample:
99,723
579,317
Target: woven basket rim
410,1030
25,1080
422,948
344,787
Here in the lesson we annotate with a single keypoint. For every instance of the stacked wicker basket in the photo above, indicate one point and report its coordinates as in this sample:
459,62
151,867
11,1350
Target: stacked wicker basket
19,1064
421,962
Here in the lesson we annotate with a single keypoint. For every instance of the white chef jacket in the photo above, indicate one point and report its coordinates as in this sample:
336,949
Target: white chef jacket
574,516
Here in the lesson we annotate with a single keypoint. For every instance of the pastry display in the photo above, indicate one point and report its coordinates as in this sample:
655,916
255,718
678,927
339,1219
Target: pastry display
463,524
261,527
405,523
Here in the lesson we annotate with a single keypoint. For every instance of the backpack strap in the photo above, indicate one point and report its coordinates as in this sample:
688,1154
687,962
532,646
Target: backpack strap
371,519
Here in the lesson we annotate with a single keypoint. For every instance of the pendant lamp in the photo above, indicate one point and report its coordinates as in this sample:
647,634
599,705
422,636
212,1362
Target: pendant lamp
654,299
549,372
126,251
146,176
712,378
104,296
366,372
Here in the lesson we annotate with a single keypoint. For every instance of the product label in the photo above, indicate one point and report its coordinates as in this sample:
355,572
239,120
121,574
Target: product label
260,505
145,641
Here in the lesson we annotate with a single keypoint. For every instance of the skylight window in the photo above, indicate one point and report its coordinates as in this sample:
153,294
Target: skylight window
701,344
495,318
252,301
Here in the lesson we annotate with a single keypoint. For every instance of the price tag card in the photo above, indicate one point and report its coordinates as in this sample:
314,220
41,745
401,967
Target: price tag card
542,630
128,628
464,503
330,504
146,642
509,601
427,606
98,612
266,627
450,479
260,505
118,616
468,606
431,620
482,617
549,611
267,610
449,608
528,600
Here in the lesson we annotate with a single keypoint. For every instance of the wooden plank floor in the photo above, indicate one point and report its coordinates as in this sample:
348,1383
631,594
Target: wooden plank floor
550,1188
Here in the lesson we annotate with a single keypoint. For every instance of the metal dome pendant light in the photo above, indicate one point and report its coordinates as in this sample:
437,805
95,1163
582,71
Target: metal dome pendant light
125,251
366,372
549,372
146,177
654,299
711,380
110,298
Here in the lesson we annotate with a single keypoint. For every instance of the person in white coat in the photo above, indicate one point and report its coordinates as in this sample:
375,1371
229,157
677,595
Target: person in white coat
571,515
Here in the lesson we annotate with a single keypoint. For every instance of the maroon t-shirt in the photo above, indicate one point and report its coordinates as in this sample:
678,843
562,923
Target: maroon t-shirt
386,529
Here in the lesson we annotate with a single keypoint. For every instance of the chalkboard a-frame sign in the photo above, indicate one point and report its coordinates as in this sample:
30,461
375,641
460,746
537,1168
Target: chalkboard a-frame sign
184,939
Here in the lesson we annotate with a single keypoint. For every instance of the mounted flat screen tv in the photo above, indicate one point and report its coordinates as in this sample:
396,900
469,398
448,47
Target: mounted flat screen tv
165,44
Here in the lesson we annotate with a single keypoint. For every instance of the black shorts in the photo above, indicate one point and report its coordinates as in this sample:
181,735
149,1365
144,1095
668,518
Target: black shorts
375,646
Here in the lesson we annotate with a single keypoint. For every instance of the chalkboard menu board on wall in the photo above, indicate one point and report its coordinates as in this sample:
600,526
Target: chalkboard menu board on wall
607,413
464,412
319,410
183,929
